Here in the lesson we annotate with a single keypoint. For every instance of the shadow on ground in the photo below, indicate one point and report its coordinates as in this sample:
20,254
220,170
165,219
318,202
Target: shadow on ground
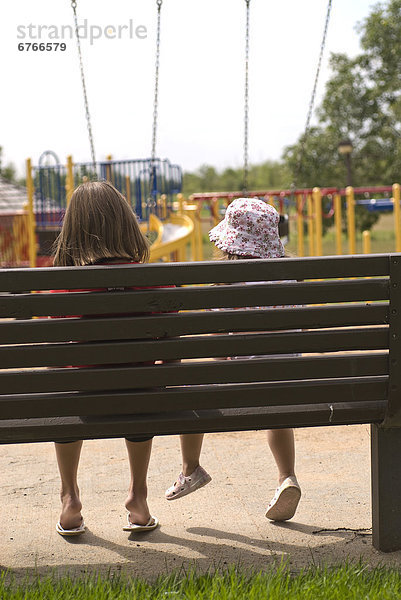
152,554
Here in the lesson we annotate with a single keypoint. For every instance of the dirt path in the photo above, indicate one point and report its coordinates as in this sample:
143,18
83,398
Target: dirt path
221,524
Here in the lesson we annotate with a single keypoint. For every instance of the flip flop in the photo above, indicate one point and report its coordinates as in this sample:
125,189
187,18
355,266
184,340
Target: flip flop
150,525
69,532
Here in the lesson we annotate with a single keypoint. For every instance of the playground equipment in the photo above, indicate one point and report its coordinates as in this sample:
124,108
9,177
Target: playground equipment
14,236
30,222
180,223
54,185
377,205
172,239
49,190
309,207
14,248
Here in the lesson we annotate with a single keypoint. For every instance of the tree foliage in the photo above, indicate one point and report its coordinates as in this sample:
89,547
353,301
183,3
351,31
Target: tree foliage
362,102
8,171
266,176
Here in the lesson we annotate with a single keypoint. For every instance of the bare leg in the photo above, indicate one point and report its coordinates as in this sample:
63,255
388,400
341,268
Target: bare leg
281,442
68,460
136,504
191,446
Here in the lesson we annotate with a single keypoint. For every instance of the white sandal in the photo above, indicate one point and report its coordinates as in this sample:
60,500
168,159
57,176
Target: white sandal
285,501
186,485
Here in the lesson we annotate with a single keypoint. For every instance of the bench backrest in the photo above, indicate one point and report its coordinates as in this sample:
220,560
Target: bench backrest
340,313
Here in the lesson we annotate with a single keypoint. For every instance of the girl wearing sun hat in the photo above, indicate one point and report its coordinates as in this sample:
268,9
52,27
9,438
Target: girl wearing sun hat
248,230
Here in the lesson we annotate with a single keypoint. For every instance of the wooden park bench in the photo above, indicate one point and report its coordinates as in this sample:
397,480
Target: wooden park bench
346,325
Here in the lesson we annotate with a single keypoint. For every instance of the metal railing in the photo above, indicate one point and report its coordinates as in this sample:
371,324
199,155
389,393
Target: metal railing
54,185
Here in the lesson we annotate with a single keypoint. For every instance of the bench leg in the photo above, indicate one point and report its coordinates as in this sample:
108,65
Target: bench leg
386,488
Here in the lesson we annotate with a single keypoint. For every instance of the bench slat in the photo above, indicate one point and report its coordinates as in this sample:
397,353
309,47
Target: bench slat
16,280
165,300
238,371
65,428
58,355
171,325
351,389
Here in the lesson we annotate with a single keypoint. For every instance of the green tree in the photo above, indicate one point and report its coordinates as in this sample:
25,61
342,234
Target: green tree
362,102
321,165
8,171
269,175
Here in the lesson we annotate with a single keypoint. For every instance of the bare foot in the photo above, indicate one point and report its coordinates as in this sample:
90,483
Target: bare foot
70,516
138,509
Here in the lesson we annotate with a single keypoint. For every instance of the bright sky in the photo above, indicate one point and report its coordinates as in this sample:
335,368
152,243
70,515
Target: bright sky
201,78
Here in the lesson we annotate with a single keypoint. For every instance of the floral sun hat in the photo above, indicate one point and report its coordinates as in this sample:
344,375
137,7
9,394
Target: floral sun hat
249,228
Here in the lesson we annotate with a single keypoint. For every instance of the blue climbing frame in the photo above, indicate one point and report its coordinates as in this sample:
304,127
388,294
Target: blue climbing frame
131,177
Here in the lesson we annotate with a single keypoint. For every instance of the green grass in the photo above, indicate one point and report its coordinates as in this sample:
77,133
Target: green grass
352,581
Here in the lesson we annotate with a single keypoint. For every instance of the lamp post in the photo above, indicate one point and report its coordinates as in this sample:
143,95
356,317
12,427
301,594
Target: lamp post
345,147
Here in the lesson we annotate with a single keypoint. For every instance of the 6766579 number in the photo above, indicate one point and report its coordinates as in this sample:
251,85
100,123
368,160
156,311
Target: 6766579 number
42,47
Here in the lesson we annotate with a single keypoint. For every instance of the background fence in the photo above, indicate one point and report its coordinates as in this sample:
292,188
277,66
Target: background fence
142,182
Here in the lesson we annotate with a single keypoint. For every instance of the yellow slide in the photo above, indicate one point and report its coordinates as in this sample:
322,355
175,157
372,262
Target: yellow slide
172,238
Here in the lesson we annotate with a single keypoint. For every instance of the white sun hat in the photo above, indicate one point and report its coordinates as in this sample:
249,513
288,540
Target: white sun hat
249,228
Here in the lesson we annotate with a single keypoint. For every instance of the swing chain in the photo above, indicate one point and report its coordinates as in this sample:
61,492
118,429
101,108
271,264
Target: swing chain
156,93
312,100
152,192
246,101
81,66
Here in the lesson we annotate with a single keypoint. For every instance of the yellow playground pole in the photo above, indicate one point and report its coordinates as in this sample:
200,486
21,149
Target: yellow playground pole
31,214
214,207
108,169
311,241
198,235
349,192
69,182
18,234
300,226
317,201
163,201
181,201
366,242
338,223
190,211
128,189
397,216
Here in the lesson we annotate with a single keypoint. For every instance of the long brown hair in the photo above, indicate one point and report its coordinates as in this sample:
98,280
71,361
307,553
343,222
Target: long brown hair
99,224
